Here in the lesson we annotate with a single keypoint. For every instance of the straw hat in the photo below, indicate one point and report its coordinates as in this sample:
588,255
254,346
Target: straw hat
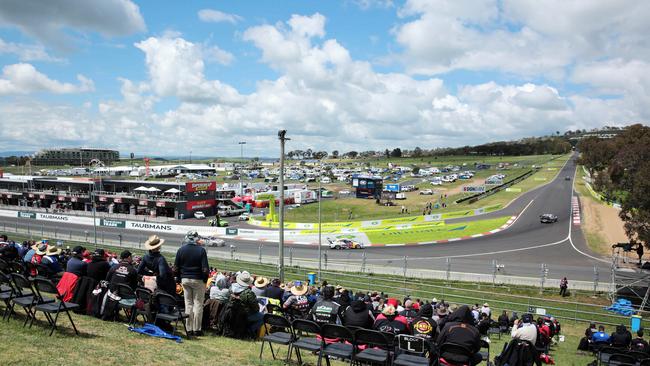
40,249
53,250
261,282
244,279
153,242
442,311
486,305
299,289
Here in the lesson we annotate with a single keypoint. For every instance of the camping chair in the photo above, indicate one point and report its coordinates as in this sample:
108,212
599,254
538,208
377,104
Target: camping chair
174,313
413,351
283,334
456,349
619,359
24,295
301,329
144,296
485,354
338,349
379,346
7,293
127,302
47,306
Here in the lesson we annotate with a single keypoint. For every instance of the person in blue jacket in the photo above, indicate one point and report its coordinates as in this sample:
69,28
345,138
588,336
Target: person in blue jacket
600,336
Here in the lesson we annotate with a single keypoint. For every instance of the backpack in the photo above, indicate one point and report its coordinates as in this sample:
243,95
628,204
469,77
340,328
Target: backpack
233,320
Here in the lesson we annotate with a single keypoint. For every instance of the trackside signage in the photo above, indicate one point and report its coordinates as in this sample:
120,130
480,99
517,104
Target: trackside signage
113,223
53,217
149,226
26,215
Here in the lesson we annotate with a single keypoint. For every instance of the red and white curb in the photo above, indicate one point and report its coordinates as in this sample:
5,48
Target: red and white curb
575,210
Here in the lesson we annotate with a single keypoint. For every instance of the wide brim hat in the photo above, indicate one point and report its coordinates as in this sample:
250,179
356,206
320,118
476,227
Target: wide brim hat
442,311
244,279
299,289
486,305
153,242
52,250
261,282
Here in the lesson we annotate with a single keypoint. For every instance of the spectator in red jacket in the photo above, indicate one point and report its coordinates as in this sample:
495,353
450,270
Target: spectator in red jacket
390,322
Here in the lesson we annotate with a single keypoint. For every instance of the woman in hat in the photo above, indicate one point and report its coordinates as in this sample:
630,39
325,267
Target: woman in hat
260,285
297,304
155,264
39,252
51,260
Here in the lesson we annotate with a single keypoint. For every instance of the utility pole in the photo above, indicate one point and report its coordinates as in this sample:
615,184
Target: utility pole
92,196
241,186
320,243
281,136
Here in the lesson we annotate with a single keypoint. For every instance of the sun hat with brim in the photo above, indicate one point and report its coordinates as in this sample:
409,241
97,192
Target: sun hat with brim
486,305
442,311
389,310
52,250
41,249
299,289
153,242
244,279
261,282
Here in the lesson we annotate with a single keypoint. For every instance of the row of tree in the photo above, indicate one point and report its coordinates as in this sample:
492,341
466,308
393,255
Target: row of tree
620,169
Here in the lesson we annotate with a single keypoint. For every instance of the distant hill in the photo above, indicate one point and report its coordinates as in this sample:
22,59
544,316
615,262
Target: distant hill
4,154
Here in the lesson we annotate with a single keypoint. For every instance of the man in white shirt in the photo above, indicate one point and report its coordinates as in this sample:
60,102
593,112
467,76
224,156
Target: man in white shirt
486,310
526,331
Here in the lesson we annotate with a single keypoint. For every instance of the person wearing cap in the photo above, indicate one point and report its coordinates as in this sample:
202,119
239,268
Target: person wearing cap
326,310
261,284
485,309
154,264
297,305
192,266
423,324
274,291
123,273
390,321
459,330
98,267
75,264
524,329
52,261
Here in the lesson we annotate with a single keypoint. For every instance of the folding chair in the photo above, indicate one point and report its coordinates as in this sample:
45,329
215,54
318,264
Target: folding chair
485,354
494,330
24,295
604,353
619,359
413,351
145,296
174,313
43,285
3,266
645,362
379,346
7,293
17,267
283,334
454,349
637,355
338,349
302,328
127,302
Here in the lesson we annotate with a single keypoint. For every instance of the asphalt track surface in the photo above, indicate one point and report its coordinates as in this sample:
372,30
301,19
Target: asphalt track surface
521,249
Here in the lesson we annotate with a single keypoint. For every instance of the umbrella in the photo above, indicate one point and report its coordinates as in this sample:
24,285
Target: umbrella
153,189
141,188
173,190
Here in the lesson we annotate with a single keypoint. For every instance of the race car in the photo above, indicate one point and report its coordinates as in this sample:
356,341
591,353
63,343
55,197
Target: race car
547,218
344,244
244,217
213,241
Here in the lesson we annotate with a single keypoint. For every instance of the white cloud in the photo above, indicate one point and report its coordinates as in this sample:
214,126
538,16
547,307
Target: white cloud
50,21
216,16
26,52
24,79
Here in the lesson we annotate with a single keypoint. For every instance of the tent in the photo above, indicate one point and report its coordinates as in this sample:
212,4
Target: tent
173,190
142,189
153,189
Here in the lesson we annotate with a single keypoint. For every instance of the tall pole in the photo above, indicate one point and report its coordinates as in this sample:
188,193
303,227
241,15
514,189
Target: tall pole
241,185
320,256
281,136
92,196
190,156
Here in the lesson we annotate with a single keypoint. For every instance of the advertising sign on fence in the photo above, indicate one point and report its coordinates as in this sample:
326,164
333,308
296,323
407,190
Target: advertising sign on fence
112,223
392,188
231,231
26,215
474,189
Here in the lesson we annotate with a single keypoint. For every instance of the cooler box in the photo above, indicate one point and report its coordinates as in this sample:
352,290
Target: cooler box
312,278
635,323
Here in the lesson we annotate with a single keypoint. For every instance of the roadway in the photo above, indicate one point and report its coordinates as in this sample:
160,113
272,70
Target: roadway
521,249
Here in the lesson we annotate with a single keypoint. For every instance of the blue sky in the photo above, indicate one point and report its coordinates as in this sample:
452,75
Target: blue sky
160,78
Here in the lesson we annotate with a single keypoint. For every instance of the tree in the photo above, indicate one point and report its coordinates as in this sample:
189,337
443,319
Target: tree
417,152
308,154
335,154
387,153
595,154
318,155
353,154
396,153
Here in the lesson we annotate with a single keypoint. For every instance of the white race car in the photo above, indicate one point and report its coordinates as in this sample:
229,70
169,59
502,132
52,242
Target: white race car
344,244
213,241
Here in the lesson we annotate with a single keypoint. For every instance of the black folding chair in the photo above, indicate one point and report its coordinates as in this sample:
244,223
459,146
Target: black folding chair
412,351
278,331
456,350
302,329
637,355
24,295
645,362
127,301
3,266
494,330
173,313
620,359
7,293
48,307
604,353
485,354
17,267
378,346
338,349
143,295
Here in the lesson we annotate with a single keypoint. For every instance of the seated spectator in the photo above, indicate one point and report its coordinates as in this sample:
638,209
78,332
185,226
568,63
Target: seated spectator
343,298
600,336
423,324
8,251
254,317
326,310
503,321
123,273
27,258
441,315
260,285
484,324
37,258
358,315
459,330
51,260
221,291
525,329
621,338
486,310
513,318
476,314
297,305
287,291
543,333
98,267
75,264
639,344
390,321
274,291
585,342
409,313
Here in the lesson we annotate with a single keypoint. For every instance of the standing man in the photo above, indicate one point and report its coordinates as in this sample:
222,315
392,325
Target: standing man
564,284
639,252
192,266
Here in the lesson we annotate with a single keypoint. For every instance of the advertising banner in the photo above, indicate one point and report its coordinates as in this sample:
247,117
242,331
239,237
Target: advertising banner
26,215
474,189
142,202
200,186
117,199
231,231
196,205
392,187
112,223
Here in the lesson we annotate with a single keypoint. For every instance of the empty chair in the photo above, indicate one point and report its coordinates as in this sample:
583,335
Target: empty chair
144,296
282,333
24,295
605,352
49,307
412,351
6,293
338,349
127,301
173,313
620,359
455,354
302,330
645,362
378,348
485,354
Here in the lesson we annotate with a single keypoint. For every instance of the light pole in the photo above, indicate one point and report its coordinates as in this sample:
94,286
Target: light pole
320,244
92,198
190,156
241,186
281,136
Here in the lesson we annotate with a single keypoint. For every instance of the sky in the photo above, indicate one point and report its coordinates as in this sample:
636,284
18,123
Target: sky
169,77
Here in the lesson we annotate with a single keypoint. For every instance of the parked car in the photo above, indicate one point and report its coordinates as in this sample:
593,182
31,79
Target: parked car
199,215
547,218
344,244
428,192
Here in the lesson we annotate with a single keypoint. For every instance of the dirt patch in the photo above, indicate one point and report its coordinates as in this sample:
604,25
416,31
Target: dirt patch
603,223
